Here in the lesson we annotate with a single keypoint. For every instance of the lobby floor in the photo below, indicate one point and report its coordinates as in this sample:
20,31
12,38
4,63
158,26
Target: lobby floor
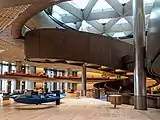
75,109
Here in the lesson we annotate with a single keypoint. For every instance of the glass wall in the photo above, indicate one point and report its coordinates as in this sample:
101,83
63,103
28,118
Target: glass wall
13,68
5,68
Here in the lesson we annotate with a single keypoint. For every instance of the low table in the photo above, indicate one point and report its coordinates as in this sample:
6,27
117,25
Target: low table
115,99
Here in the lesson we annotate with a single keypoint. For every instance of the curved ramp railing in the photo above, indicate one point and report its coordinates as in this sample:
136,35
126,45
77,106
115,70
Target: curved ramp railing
153,43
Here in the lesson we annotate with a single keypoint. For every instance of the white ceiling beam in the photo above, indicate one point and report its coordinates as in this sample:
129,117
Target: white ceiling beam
96,25
78,25
103,15
107,14
70,19
109,24
71,9
116,6
129,20
120,28
127,8
88,8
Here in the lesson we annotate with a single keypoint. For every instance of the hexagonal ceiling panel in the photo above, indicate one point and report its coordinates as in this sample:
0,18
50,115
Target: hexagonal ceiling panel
105,17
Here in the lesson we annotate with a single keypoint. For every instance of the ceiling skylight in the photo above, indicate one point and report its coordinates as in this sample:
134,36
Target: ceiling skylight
85,26
119,34
102,21
80,4
100,14
123,1
101,5
122,21
59,10
84,23
149,1
1,51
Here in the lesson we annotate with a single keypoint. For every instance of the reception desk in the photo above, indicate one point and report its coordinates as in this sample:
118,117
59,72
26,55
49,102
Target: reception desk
115,99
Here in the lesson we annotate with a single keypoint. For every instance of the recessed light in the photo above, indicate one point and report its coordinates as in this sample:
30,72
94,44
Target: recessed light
2,51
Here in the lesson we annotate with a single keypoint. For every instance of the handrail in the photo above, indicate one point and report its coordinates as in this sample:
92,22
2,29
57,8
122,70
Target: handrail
59,22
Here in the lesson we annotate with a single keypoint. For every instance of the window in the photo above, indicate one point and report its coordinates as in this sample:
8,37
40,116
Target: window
13,68
5,68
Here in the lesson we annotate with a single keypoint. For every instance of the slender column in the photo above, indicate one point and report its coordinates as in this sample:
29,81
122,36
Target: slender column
69,73
49,86
18,70
18,66
83,89
13,85
66,86
58,86
52,89
29,84
4,86
140,99
66,83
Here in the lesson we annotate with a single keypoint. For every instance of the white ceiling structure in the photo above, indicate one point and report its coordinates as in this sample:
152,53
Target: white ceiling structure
105,17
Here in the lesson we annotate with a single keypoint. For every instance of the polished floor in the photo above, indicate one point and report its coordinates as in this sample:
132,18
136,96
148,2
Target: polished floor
75,109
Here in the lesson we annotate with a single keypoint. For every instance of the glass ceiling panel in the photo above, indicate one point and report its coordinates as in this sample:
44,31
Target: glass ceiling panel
84,23
149,1
101,5
122,21
123,1
59,10
119,34
102,21
85,26
80,4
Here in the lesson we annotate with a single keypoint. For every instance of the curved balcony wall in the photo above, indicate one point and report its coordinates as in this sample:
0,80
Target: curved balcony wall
153,42
50,44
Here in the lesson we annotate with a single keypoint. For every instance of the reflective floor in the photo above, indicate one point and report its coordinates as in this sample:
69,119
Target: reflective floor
75,109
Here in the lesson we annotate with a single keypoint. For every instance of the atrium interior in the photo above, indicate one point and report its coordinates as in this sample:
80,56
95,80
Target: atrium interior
79,59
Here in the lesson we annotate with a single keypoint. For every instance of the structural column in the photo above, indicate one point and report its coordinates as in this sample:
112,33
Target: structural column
18,70
18,66
140,99
4,86
52,89
83,89
69,74
58,86
49,86
13,85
